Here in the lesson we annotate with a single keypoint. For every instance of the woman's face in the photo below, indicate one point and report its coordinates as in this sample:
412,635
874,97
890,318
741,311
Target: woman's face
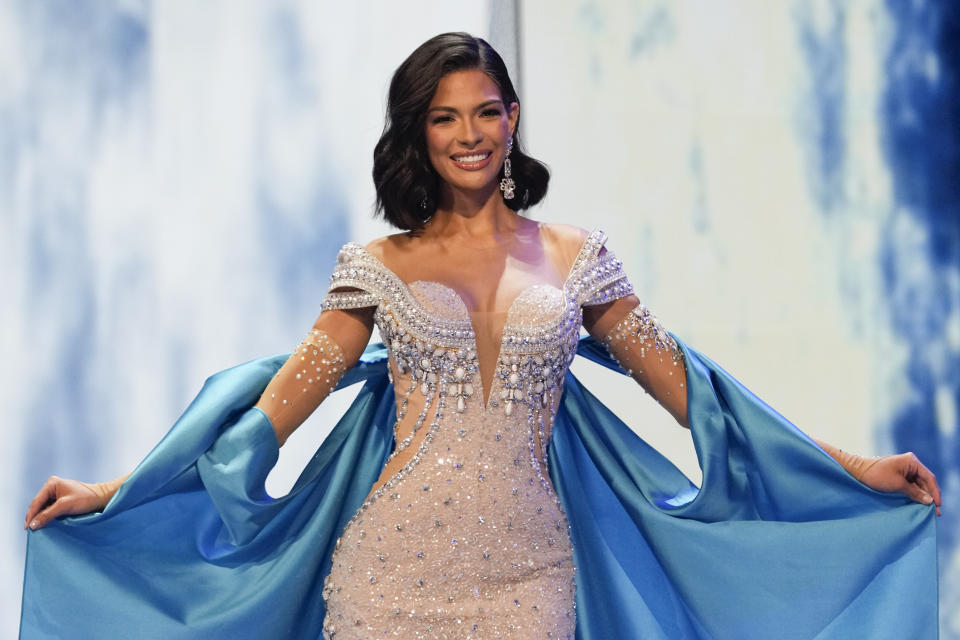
467,130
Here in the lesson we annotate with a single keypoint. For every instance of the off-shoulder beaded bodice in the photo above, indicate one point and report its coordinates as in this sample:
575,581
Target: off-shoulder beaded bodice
463,534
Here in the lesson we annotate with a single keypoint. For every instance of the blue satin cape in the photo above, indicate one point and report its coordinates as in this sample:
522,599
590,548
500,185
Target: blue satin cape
778,542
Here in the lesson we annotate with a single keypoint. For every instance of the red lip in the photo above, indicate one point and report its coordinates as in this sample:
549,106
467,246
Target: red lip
473,166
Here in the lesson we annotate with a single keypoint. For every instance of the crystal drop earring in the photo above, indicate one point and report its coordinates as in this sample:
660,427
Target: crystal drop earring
507,185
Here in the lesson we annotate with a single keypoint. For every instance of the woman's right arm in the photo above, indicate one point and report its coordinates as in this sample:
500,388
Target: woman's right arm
312,371
65,497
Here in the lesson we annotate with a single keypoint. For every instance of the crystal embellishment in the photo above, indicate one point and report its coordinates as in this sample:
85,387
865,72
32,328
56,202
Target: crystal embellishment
479,515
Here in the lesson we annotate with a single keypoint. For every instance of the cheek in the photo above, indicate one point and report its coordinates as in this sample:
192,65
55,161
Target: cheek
436,143
499,130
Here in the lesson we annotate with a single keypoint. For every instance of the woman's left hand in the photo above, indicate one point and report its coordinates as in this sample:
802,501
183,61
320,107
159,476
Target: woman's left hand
906,474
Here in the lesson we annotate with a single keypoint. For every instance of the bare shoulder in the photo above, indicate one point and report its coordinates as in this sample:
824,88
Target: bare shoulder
565,235
387,246
396,251
567,239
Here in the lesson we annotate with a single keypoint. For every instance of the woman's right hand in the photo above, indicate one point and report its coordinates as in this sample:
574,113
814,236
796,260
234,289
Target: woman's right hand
64,497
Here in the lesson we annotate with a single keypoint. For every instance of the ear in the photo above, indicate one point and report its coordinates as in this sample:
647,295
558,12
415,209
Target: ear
513,116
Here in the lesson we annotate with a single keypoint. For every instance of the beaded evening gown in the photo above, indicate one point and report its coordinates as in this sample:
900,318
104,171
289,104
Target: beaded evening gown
442,507
468,536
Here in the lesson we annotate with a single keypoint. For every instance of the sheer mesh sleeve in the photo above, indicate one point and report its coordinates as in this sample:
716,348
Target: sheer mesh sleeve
651,356
310,373
331,347
631,333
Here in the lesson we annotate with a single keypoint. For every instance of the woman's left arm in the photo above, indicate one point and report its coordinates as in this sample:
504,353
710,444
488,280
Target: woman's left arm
637,340
902,472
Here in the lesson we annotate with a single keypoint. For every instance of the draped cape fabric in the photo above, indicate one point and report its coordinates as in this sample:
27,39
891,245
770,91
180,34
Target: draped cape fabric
778,542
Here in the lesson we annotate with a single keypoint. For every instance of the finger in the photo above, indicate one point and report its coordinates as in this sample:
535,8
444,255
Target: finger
43,518
46,494
917,494
928,481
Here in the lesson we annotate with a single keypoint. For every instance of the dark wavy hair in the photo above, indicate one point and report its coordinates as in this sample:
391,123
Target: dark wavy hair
407,184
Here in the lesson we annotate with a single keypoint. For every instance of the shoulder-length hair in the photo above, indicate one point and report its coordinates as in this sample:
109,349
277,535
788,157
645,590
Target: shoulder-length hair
407,184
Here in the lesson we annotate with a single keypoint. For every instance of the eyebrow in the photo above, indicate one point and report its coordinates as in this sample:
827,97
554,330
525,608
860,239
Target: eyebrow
477,108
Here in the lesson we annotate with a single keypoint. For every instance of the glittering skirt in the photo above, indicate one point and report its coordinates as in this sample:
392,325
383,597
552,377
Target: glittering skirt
434,559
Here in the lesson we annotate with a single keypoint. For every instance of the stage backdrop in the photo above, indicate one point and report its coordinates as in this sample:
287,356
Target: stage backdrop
175,180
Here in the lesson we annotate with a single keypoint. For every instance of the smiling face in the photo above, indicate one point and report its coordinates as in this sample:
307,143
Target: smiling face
467,129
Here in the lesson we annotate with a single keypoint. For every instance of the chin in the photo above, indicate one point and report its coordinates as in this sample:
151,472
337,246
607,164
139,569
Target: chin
475,185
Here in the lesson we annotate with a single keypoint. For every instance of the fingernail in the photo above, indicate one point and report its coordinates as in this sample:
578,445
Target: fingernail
927,499
33,525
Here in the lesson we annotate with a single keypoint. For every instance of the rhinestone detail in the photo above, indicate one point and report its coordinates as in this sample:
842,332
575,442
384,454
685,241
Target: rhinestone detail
478,533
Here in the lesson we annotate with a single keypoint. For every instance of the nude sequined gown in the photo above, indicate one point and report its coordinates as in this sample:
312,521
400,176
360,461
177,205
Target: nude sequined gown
467,539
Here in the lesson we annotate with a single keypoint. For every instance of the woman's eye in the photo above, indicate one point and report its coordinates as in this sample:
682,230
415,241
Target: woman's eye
441,119
491,112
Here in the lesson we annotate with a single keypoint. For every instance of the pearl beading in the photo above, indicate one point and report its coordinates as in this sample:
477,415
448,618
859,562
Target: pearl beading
311,372
411,331
438,353
650,355
641,330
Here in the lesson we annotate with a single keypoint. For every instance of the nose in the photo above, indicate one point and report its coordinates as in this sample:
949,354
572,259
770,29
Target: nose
469,135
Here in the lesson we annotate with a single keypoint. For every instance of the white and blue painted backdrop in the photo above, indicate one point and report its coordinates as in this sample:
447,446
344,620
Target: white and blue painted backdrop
175,179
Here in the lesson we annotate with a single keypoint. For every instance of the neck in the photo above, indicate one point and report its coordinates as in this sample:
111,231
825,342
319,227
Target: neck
481,219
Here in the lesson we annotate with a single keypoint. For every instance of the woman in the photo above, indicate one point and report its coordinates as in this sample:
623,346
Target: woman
464,531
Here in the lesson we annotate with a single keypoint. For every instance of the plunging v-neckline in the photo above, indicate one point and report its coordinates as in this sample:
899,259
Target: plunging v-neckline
485,387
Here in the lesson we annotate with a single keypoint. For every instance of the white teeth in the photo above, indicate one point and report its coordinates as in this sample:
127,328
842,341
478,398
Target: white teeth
470,159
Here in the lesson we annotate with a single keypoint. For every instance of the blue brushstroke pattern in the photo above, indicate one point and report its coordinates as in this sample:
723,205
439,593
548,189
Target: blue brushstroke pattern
304,255
826,56
85,59
921,136
919,252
